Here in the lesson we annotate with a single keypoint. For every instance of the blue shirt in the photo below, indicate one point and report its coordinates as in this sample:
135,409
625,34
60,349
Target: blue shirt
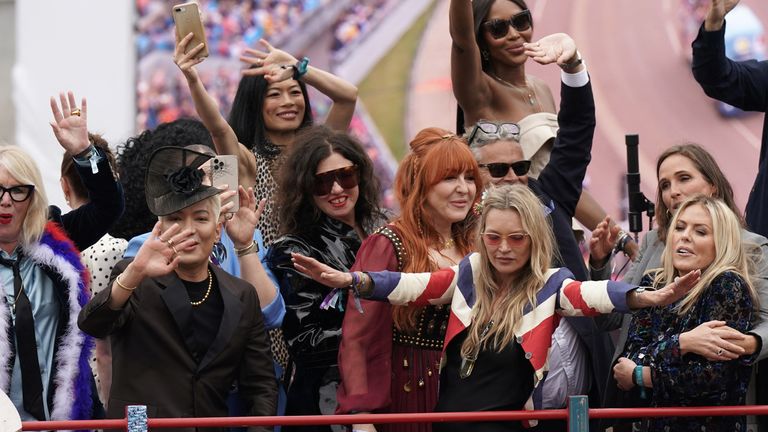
45,310
273,312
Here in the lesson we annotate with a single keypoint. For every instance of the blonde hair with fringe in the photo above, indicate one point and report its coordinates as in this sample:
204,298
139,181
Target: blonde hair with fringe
504,302
23,168
730,252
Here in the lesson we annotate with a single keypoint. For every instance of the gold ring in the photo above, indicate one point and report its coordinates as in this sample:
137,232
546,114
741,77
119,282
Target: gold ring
76,112
173,248
170,242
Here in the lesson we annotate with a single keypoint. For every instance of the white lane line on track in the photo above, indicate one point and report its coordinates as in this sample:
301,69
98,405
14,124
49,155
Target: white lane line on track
742,129
538,10
670,16
607,122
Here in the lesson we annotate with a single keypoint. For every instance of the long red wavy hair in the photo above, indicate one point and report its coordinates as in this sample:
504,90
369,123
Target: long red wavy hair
435,155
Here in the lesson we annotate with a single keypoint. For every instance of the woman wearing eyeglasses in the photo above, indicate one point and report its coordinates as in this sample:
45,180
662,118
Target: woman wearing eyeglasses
390,356
505,302
43,282
328,201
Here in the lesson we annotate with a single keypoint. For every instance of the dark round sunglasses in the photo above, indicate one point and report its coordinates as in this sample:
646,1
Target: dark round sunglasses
346,177
500,169
498,28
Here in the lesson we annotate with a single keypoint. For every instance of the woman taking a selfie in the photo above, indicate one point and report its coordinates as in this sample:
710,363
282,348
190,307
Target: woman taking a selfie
328,205
705,234
500,297
390,356
270,106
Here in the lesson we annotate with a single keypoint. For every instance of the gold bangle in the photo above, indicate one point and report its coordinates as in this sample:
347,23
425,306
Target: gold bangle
250,249
117,281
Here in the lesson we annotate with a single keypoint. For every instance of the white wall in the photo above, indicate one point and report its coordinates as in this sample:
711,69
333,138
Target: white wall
81,45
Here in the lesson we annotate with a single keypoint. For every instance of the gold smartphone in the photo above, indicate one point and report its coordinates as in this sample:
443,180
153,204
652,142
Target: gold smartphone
188,20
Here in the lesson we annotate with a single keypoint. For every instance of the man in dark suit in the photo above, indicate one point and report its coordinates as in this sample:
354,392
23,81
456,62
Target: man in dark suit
182,330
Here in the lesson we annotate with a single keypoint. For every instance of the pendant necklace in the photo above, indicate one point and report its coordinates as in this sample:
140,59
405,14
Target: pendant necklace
526,93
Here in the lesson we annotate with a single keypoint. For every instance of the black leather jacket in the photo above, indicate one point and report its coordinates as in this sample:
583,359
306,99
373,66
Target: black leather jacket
313,334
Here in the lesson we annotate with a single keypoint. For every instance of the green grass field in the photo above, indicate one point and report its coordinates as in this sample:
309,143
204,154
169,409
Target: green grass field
384,90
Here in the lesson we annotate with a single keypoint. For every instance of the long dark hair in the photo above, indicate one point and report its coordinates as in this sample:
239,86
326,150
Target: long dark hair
298,212
480,11
247,119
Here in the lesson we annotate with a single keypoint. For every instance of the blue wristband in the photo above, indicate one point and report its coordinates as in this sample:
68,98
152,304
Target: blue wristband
300,69
637,377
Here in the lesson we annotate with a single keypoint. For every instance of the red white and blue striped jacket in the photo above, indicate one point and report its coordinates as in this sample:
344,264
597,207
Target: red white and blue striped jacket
560,296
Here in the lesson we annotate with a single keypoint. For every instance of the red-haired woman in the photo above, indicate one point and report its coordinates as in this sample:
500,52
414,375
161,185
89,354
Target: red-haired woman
390,356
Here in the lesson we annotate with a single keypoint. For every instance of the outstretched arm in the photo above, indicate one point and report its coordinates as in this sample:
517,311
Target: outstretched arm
273,64
742,84
223,135
88,223
470,87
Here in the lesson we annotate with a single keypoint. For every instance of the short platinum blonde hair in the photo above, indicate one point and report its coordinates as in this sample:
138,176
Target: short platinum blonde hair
23,169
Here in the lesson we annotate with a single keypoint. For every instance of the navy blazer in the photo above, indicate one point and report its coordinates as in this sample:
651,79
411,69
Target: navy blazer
744,85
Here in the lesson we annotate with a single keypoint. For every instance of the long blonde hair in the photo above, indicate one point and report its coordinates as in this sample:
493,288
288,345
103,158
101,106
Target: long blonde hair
730,252
504,303
22,167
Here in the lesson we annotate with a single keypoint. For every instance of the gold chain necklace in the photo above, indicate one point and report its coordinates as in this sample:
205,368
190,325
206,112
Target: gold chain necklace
207,292
526,93
448,244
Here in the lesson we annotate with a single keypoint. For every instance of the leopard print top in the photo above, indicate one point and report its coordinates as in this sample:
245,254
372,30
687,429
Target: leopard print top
269,225
266,187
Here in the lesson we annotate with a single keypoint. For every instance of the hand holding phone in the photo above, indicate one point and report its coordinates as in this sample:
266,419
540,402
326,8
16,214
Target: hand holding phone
224,172
188,20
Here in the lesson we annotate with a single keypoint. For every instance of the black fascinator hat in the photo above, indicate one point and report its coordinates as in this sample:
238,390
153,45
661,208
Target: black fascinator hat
176,180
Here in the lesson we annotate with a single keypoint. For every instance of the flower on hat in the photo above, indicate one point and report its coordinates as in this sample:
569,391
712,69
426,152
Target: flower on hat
185,180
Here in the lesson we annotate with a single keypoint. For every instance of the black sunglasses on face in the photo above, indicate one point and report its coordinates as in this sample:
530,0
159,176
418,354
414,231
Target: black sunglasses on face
500,169
494,131
498,28
18,193
346,177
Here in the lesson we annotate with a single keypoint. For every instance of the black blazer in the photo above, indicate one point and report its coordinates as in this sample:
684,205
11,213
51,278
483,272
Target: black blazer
152,364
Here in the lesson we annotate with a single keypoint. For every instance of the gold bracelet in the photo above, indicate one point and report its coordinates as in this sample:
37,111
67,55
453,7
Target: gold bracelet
117,281
250,249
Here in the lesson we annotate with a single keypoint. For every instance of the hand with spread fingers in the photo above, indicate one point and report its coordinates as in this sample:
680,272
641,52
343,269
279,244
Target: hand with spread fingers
320,272
666,295
603,239
186,61
70,123
241,226
159,255
273,63
556,48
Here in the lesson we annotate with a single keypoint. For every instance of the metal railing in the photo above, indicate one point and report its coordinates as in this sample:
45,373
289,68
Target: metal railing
577,415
